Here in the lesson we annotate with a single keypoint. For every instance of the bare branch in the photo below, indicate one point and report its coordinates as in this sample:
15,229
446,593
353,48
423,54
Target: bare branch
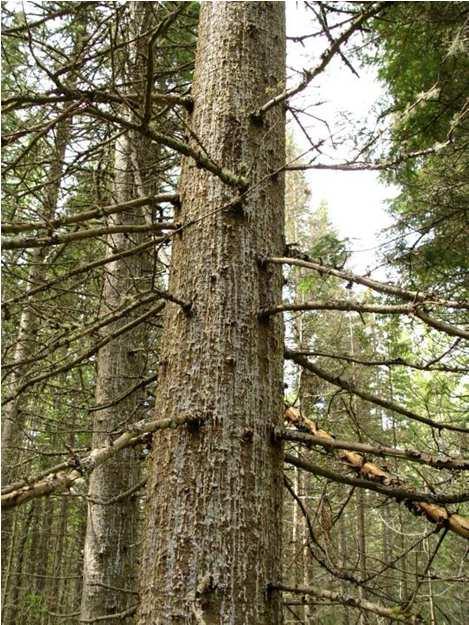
374,399
375,475
61,479
375,285
387,362
401,494
96,213
413,455
228,177
363,307
394,614
356,165
326,58
86,233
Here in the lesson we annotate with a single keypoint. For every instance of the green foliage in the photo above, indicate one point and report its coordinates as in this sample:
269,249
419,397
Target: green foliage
35,604
424,63
422,58
330,249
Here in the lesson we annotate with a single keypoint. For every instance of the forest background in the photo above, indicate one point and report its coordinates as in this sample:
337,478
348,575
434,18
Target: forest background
100,139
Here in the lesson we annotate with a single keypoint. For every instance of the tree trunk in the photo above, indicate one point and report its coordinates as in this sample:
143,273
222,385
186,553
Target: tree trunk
13,421
58,560
18,586
109,555
213,529
361,529
110,552
344,561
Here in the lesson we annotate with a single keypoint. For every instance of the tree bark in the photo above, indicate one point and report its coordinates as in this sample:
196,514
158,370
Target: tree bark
110,552
213,529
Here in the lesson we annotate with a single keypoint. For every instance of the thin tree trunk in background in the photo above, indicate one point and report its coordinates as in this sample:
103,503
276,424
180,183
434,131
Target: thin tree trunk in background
387,550
14,414
72,591
361,529
344,560
431,604
13,417
213,528
403,562
295,570
22,609
307,559
69,583
9,573
110,552
404,584
54,585
10,618
306,386
43,559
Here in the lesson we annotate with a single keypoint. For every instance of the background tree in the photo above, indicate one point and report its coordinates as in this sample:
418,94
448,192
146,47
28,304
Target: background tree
428,106
62,355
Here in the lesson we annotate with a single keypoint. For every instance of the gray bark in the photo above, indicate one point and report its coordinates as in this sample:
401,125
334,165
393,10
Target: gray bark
213,528
110,552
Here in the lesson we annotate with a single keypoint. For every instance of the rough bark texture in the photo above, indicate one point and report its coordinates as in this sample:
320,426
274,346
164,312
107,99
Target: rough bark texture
213,528
110,551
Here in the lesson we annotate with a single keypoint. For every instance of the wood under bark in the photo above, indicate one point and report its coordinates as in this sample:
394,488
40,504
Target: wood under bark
394,614
412,455
65,475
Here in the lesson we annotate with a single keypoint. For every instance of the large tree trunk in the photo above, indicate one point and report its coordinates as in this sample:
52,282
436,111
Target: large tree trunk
213,528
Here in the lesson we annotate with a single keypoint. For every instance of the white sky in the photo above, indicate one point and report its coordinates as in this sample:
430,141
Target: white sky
356,199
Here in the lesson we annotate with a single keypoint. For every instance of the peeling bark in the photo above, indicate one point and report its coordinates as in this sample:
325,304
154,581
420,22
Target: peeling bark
434,513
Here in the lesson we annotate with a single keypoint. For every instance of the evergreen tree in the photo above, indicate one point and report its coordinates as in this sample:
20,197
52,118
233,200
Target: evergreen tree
104,229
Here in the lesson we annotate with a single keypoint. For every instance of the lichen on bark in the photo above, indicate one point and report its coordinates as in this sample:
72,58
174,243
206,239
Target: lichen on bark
212,540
